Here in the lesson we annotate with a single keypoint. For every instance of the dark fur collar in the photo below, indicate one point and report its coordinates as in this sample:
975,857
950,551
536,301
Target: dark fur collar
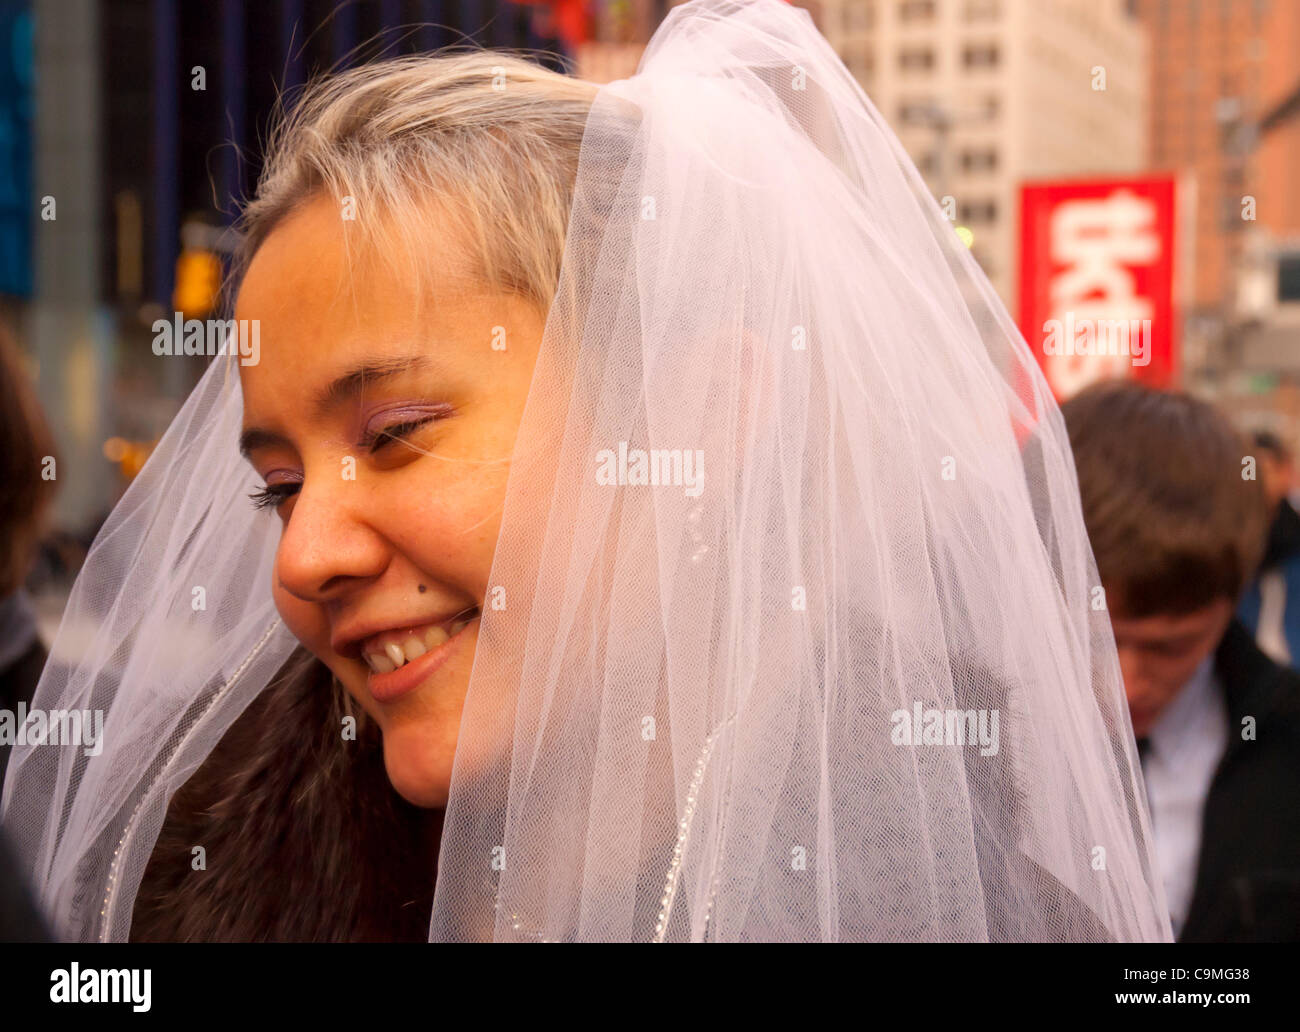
305,838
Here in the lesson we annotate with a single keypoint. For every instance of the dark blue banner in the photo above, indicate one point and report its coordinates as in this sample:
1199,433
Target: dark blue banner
16,108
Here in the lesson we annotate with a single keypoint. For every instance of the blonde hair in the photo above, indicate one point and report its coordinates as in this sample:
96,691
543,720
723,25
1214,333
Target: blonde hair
490,137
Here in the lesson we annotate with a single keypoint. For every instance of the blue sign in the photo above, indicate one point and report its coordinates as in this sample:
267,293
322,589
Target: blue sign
17,206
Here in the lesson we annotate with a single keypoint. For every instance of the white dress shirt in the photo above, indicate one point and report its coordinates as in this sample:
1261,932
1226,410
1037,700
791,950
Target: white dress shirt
1186,743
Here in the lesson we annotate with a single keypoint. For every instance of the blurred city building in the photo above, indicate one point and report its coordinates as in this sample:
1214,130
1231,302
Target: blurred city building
129,129
1225,107
618,35
1219,70
984,94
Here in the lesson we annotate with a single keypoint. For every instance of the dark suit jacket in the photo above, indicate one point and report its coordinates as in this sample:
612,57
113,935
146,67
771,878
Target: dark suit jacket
20,920
1248,873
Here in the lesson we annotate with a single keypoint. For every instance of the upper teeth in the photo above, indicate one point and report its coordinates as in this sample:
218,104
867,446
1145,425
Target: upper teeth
386,652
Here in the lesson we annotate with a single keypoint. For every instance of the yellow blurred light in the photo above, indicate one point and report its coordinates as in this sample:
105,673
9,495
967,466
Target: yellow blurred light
134,459
130,456
198,283
965,235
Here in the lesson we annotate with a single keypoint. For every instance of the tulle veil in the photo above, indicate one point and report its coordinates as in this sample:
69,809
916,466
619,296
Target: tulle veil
793,631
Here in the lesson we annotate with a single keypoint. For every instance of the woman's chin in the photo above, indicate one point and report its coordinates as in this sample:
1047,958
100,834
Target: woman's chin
419,768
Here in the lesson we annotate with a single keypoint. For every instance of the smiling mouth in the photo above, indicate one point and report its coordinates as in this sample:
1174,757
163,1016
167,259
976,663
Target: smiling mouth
392,650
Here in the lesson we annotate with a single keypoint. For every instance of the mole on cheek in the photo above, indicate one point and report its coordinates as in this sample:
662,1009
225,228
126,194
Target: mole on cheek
423,589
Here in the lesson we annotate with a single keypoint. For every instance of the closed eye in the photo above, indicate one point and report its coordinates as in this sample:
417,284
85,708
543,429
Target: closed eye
272,495
376,440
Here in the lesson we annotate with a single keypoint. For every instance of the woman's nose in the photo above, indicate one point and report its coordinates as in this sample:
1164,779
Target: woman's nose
327,545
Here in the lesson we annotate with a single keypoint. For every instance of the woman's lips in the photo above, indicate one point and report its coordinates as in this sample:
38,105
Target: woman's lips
405,679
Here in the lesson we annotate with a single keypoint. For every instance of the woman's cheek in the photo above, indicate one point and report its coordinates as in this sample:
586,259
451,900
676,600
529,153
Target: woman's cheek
453,529
305,620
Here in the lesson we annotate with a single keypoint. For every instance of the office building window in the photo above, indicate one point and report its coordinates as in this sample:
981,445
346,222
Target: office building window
973,212
980,55
981,10
1288,277
916,10
860,61
979,159
914,59
915,112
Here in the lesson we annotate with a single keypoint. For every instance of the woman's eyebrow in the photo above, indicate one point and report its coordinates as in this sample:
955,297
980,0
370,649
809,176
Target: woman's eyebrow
256,437
343,388
349,385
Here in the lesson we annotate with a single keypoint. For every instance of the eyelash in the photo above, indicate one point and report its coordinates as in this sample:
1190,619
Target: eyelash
271,496
374,440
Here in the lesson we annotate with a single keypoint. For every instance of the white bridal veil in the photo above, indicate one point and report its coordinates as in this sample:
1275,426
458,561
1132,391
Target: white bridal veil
792,630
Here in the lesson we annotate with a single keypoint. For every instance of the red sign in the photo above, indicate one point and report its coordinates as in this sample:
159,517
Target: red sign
1097,280
566,20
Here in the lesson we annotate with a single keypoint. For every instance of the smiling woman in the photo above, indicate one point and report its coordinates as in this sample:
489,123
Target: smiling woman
487,612
387,465
381,420
380,417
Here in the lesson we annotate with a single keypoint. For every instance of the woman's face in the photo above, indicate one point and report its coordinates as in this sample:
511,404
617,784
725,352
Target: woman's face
382,418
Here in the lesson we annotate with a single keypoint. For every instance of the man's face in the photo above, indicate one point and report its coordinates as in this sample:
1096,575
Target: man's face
1158,655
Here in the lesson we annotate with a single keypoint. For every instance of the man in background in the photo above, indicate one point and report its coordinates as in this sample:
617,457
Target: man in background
1270,607
1177,525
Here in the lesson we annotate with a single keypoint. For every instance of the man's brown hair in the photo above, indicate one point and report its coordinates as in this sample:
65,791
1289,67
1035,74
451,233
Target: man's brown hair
1176,515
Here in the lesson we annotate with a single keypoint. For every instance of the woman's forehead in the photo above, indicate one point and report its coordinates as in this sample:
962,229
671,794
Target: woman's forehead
327,253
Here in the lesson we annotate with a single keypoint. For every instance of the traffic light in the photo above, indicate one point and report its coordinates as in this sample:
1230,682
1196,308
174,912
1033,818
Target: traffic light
198,282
